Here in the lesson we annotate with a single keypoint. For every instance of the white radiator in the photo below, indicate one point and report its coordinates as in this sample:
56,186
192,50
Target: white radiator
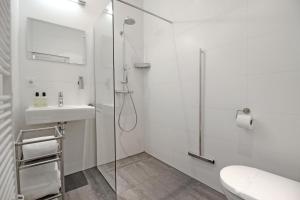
7,160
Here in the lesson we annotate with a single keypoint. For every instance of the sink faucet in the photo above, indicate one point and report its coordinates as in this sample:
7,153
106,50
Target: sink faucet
60,99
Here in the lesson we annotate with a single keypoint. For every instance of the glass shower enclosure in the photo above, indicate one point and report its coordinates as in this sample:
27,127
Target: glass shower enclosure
146,101
104,95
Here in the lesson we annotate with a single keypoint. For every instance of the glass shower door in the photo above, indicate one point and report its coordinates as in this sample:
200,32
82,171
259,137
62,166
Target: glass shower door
104,95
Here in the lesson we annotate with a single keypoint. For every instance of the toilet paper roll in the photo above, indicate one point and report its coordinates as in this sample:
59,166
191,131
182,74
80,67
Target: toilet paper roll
244,121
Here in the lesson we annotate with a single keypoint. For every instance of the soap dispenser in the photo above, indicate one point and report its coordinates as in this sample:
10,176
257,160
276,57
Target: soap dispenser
44,100
36,100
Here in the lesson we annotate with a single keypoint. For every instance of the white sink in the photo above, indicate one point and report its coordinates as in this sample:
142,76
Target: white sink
53,114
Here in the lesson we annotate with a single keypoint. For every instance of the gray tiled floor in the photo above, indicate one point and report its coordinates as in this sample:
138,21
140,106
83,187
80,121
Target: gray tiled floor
143,177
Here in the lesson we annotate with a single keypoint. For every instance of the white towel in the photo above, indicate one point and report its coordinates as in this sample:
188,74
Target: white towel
39,149
40,181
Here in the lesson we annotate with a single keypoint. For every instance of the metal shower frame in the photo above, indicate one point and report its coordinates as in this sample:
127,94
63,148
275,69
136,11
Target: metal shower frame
146,11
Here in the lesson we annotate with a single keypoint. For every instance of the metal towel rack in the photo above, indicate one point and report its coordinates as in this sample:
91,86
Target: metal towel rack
58,156
201,81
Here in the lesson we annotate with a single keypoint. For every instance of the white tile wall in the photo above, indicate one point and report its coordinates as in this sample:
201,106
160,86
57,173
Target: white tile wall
251,61
133,142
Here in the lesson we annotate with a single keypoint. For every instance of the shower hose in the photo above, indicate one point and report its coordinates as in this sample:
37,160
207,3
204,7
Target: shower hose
122,110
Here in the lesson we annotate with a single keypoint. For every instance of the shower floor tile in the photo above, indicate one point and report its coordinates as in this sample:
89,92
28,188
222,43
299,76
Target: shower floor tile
143,177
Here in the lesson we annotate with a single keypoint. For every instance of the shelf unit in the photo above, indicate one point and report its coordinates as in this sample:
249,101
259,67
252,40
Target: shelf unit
58,156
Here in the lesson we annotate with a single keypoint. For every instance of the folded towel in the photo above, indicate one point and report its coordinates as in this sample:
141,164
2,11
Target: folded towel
39,149
40,181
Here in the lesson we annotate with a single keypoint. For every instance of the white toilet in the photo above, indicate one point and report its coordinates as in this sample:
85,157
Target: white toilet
247,183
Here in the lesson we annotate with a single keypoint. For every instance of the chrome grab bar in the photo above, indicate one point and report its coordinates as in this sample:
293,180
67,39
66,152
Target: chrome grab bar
201,103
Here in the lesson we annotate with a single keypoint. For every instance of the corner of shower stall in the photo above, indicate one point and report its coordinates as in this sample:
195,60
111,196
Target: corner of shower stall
144,100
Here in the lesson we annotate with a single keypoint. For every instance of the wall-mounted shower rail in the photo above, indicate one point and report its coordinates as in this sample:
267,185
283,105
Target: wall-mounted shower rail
201,88
148,12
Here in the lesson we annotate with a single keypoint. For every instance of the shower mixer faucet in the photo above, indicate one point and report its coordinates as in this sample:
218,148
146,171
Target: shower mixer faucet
125,75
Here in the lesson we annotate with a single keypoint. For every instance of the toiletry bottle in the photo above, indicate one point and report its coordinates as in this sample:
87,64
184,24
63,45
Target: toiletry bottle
36,100
44,100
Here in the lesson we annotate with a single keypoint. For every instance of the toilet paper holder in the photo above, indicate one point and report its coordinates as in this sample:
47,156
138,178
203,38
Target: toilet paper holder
246,111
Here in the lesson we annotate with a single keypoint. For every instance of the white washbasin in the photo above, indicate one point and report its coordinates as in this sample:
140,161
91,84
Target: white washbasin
53,114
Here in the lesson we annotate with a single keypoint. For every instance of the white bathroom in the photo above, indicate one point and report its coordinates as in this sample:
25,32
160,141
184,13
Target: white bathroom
149,100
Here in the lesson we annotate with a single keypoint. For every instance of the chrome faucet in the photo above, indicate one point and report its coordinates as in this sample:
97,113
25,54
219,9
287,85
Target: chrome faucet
60,99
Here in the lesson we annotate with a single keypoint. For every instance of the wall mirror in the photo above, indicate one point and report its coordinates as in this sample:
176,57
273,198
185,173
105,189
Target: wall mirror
52,42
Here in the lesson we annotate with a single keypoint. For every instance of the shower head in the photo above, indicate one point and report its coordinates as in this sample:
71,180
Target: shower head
129,21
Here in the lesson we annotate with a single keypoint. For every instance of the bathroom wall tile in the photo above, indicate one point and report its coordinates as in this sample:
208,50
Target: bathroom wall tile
263,19
158,73
72,95
197,10
220,125
277,141
225,92
274,93
273,36
161,102
273,53
157,144
227,60
129,143
37,70
251,61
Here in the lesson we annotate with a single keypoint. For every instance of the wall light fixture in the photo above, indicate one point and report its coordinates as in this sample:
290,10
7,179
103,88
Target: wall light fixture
80,2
